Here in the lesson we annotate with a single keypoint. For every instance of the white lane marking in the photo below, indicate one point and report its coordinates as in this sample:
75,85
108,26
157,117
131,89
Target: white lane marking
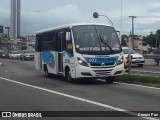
138,85
78,98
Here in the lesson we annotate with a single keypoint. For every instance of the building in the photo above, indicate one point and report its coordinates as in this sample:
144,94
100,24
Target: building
15,18
141,46
1,29
30,43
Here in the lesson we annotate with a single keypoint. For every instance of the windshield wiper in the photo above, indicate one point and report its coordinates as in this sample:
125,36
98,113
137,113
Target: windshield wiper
105,43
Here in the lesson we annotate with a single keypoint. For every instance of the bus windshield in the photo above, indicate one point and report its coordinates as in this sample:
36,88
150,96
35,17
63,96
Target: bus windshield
96,39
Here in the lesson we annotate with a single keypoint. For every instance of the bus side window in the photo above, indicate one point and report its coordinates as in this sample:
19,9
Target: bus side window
64,41
56,40
68,41
69,45
38,44
44,42
51,41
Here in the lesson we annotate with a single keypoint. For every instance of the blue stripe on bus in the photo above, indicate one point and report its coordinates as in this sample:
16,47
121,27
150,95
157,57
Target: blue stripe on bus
48,58
69,55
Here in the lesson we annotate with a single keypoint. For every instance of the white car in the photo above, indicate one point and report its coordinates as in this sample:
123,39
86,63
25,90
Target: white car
137,59
27,54
14,55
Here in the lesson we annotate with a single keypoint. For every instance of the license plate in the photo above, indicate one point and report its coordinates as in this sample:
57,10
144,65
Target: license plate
103,75
137,61
101,60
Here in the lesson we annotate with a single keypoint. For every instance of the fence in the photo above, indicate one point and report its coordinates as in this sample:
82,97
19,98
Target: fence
155,57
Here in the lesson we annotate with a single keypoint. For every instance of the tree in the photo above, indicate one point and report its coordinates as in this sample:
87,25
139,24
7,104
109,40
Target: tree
150,39
158,38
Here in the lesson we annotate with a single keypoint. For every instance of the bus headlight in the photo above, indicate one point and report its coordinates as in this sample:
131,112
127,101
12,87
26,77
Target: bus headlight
81,62
120,61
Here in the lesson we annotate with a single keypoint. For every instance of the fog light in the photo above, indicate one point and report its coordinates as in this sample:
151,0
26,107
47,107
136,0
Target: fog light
86,74
118,72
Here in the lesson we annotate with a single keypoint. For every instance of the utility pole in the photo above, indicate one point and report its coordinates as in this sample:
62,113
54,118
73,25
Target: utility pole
132,17
121,22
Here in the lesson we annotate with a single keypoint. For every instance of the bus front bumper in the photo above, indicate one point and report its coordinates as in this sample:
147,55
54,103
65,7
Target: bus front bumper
98,72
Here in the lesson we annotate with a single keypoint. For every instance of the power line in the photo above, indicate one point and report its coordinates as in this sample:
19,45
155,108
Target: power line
144,16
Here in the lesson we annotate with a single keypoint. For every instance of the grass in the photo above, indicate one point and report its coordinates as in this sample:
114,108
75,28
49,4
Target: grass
141,80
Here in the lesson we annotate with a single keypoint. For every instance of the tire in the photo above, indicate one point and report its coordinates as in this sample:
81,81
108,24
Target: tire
48,75
68,75
140,65
155,60
110,80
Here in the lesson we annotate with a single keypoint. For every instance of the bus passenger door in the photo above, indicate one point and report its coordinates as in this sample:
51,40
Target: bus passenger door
60,52
38,60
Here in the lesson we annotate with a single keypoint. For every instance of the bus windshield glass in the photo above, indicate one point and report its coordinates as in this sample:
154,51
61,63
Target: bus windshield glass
96,39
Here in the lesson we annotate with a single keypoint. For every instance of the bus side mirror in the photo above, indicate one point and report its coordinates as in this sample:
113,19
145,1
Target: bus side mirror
118,32
68,36
95,15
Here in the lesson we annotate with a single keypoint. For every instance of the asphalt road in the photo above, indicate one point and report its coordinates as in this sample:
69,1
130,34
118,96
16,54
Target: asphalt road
150,68
22,88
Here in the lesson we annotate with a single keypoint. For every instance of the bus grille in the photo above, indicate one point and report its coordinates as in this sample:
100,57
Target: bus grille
106,64
103,72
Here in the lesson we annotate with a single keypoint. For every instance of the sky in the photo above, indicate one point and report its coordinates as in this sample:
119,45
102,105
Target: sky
41,14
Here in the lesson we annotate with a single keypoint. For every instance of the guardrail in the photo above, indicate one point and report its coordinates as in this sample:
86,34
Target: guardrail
151,56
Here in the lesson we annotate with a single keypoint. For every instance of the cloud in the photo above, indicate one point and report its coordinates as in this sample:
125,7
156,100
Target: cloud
67,11
155,5
53,13
60,15
5,16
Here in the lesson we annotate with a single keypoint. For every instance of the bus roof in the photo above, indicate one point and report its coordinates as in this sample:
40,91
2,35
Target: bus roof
69,26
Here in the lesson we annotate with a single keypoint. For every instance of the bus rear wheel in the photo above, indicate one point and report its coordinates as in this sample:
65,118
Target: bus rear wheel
48,75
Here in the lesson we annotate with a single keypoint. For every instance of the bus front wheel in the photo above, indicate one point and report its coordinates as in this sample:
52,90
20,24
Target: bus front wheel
68,75
110,80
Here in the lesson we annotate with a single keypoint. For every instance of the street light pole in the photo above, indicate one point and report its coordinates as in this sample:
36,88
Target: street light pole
121,23
107,18
96,15
28,26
